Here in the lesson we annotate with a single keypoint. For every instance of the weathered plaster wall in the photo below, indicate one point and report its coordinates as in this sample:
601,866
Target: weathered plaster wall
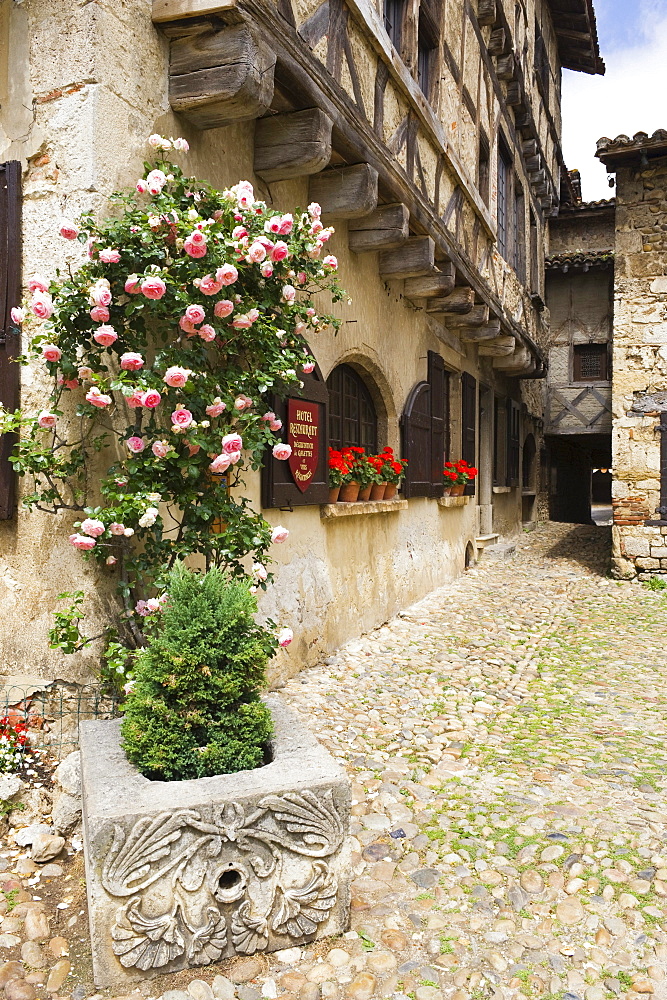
640,366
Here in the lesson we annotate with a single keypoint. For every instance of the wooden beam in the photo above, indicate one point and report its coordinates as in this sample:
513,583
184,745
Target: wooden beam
384,229
345,192
478,316
497,42
520,361
221,76
439,283
506,67
533,163
530,147
486,12
479,334
515,96
292,145
500,347
461,300
416,257
175,10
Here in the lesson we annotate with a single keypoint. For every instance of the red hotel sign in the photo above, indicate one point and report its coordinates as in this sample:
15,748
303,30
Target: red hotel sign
303,435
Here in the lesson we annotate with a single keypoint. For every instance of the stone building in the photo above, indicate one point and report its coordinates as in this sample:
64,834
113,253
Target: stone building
430,133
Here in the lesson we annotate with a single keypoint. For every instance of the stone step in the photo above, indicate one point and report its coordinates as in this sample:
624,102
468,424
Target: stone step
502,550
484,540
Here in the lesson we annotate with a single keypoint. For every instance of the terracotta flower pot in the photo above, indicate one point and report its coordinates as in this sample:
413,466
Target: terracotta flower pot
390,491
457,491
378,490
348,493
365,492
447,491
333,493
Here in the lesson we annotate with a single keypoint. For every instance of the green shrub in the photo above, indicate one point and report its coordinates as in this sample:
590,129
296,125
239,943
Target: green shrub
194,709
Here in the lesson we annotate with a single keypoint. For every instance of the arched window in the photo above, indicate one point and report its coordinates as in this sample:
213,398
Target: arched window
352,417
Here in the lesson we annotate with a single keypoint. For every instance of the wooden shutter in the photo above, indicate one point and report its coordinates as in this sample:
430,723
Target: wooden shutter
437,377
468,425
10,335
278,486
513,435
416,431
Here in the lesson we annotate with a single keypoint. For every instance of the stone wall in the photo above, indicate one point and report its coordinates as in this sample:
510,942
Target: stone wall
640,366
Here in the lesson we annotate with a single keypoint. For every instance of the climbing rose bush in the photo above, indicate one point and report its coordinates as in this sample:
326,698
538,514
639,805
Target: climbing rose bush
194,308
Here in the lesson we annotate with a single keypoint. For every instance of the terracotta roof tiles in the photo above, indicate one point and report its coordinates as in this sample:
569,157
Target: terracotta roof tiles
579,260
623,148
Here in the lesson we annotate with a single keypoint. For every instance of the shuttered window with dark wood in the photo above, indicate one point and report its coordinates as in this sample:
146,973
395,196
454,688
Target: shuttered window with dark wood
10,335
438,379
352,417
513,438
469,425
500,442
591,363
425,432
278,486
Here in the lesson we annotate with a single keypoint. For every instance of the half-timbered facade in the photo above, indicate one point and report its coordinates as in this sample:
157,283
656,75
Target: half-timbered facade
430,134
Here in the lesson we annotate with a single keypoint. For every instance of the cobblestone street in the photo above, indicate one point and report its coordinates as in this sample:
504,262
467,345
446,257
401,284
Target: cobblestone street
506,742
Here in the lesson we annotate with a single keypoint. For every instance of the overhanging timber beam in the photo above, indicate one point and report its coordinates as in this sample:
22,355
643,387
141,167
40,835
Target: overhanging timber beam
460,301
479,334
478,316
437,284
499,347
292,145
384,229
345,192
414,258
165,11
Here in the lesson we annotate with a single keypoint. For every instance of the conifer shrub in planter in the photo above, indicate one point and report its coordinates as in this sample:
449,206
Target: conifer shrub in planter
214,822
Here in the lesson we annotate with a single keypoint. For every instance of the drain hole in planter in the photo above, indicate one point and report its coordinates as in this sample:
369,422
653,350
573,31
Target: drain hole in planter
229,879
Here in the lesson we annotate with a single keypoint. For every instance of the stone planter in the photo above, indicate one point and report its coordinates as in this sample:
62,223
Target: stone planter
183,873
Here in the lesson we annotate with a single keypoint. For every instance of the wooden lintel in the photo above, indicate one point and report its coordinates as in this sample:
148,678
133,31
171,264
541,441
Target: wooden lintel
175,10
500,347
384,229
438,283
415,257
221,75
459,301
292,145
478,316
345,192
478,334
486,12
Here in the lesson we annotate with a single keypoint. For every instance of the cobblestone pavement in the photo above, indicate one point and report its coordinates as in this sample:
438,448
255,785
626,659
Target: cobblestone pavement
506,742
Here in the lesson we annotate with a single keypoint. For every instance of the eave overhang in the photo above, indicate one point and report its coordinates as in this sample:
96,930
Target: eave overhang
625,150
576,30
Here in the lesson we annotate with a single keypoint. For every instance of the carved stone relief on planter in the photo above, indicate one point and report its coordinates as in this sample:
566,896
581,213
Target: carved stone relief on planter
235,864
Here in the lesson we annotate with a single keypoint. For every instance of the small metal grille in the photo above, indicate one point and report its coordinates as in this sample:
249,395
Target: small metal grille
590,363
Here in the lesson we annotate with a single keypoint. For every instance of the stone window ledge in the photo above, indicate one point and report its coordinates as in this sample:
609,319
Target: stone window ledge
453,501
330,511
503,489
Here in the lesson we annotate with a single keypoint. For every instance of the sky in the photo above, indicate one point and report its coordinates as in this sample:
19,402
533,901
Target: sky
631,96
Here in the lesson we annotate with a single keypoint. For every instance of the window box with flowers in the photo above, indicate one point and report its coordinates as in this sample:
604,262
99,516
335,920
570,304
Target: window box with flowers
457,475
355,476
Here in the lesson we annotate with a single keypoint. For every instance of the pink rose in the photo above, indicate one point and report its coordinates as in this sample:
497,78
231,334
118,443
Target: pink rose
241,322
285,636
42,305
259,571
256,253
223,308
220,463
279,534
141,186
281,451
193,248
68,383
85,372
97,398
234,457
314,210
227,274
181,418
315,252
207,333
38,284
131,362
195,314
215,408
92,527
100,295
232,442
151,398
239,232
272,225
111,560
242,402
109,256
160,449
269,415
275,425
105,336
286,223
279,252
176,377
17,315
302,277
289,294
81,542
253,315
210,285
330,262
51,353
197,236
132,284
182,145
116,528
266,269
156,178
300,329
308,367
135,444
99,314
46,420
153,287
134,400
68,229
187,327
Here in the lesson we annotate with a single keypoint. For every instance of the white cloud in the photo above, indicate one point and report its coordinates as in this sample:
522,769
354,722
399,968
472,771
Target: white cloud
629,98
